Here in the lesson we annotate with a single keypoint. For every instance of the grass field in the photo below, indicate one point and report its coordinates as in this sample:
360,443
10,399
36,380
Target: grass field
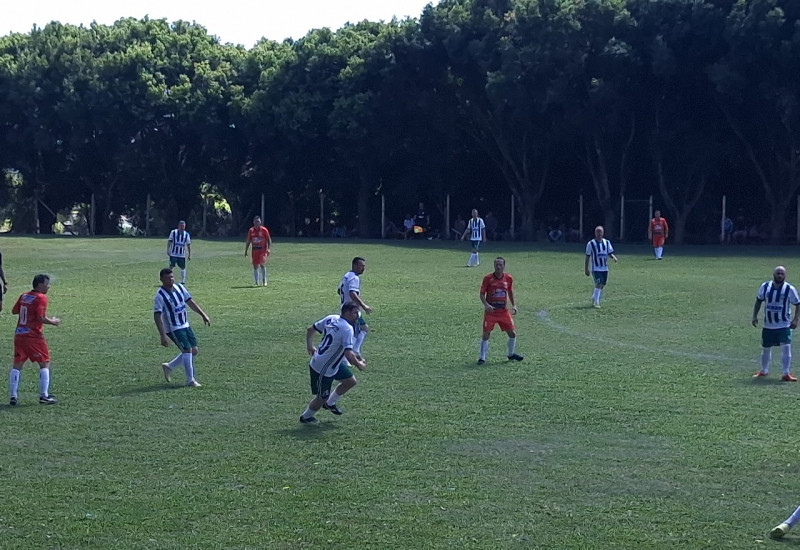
634,426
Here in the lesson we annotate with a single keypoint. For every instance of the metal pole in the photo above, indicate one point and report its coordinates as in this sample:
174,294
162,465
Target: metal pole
722,223
36,214
622,217
92,208
651,207
321,213
447,215
798,218
580,217
262,208
383,216
511,229
147,217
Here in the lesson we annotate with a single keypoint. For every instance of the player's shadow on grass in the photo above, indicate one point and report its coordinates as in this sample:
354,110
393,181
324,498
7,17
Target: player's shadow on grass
149,389
790,541
309,432
770,380
240,287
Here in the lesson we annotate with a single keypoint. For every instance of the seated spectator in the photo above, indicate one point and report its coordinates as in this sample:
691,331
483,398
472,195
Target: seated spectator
408,226
422,219
556,235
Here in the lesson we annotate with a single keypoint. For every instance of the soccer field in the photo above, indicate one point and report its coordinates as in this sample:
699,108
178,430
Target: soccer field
634,426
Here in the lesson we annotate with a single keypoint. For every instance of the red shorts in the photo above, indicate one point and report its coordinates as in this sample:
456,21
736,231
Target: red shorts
259,257
33,349
658,240
500,317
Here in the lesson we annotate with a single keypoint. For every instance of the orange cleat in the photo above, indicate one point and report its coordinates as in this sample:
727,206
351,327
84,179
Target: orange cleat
759,374
788,378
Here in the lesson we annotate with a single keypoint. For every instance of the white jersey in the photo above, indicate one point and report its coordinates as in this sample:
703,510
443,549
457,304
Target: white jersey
779,302
172,306
598,253
477,228
178,241
350,283
337,336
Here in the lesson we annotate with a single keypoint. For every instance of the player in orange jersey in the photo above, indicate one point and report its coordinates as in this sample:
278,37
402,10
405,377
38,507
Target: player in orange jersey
259,237
658,231
497,290
29,342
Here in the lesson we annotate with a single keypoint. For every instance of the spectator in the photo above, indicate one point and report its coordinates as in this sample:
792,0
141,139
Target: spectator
491,226
422,219
408,226
556,235
727,230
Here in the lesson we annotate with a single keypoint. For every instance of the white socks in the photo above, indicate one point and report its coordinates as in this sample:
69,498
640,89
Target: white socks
188,366
596,296
511,345
183,276
255,275
786,358
13,382
333,398
484,349
474,259
44,382
263,270
766,356
359,341
178,360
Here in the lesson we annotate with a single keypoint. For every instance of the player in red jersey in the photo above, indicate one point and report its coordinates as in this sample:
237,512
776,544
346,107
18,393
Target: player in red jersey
259,237
658,231
29,342
497,290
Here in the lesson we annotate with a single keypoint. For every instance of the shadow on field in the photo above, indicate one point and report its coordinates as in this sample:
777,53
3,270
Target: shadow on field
149,389
309,433
771,380
786,541
240,287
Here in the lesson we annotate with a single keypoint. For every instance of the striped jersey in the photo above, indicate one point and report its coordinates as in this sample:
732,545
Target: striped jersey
779,302
350,283
172,306
476,228
337,337
178,241
598,253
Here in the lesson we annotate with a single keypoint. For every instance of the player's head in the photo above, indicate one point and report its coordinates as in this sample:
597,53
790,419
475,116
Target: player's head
41,283
657,214
182,225
359,264
599,232
499,265
167,277
350,312
474,212
257,221
779,274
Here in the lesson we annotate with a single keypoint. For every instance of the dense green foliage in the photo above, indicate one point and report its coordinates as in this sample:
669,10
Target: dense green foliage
633,426
540,99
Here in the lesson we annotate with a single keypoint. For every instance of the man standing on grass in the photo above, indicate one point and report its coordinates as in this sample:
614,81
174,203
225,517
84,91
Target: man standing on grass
658,231
29,342
179,248
5,283
497,289
779,322
350,293
598,251
172,322
476,229
259,237
329,361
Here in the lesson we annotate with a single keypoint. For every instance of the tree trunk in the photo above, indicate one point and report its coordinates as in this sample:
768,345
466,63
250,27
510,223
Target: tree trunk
609,221
364,213
777,220
678,227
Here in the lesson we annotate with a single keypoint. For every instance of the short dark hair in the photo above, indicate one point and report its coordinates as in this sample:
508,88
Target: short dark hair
358,259
348,307
164,271
500,258
39,279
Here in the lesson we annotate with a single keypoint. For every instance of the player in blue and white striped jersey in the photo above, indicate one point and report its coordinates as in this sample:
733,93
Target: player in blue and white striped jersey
779,322
179,248
172,321
476,229
598,251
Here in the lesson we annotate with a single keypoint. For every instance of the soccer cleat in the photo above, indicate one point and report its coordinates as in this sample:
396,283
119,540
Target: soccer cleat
481,362
166,369
13,402
596,305
311,420
515,357
47,400
333,408
194,384
779,531
788,378
760,374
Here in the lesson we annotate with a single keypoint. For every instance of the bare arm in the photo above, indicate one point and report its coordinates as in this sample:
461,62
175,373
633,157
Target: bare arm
196,308
160,326
614,258
793,324
757,308
488,308
586,265
189,250
247,244
310,347
354,296
513,302
464,234
3,278
353,359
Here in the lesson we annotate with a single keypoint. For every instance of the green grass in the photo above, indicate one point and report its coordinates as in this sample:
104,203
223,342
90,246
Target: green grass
633,426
